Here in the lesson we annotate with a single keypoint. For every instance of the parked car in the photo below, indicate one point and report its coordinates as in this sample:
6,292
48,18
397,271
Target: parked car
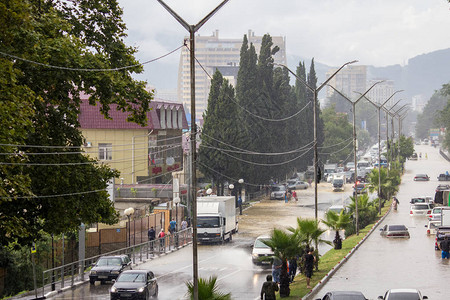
278,192
135,284
413,156
418,209
444,177
341,295
108,268
395,231
432,227
441,232
297,185
435,214
442,187
261,253
403,294
421,177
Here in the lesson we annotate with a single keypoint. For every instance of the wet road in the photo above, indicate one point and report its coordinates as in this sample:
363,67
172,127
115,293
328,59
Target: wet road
381,264
231,263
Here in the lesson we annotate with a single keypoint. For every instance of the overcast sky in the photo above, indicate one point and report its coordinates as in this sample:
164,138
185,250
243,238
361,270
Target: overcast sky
375,32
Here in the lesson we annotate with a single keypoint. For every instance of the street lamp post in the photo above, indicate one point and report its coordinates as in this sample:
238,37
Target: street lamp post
379,144
176,201
241,181
386,110
353,103
128,212
392,114
315,93
192,29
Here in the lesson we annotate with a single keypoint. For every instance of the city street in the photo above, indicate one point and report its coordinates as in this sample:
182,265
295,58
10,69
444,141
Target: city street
381,264
231,263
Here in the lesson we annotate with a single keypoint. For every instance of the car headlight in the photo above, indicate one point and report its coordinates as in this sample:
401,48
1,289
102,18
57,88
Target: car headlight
254,255
113,289
141,290
93,272
115,272
272,194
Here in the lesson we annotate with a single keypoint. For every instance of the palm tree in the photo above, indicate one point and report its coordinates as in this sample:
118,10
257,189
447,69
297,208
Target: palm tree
309,231
285,246
337,222
367,209
207,290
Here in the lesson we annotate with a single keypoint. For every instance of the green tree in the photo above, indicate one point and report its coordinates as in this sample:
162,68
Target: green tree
207,290
309,232
338,136
59,186
367,209
443,119
337,222
427,119
220,132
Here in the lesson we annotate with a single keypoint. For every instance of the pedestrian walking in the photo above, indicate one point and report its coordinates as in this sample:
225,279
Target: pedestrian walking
184,224
286,196
268,289
151,233
173,226
161,237
276,269
445,247
294,195
395,203
292,268
309,266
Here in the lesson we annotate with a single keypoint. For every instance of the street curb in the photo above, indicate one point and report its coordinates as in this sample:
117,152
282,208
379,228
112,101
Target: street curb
322,282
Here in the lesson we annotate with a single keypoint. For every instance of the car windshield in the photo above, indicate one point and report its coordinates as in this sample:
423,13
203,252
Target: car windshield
348,297
418,200
421,175
397,228
207,222
291,182
131,277
437,210
404,296
279,188
418,206
259,243
109,262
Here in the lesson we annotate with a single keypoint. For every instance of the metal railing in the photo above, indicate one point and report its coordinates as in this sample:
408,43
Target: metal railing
67,275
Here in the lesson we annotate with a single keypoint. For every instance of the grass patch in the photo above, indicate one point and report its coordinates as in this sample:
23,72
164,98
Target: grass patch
329,260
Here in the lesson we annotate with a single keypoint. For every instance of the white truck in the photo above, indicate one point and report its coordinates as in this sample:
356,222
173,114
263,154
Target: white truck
445,216
216,219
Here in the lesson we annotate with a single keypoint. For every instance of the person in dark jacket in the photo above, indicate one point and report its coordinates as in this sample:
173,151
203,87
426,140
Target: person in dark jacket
268,289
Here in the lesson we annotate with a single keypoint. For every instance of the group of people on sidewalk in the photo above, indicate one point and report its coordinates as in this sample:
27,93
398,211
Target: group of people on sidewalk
277,282
288,195
151,233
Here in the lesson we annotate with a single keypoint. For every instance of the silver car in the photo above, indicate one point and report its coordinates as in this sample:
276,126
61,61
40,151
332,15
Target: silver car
435,214
395,231
297,185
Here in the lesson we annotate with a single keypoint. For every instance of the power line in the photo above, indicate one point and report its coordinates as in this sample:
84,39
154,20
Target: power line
88,70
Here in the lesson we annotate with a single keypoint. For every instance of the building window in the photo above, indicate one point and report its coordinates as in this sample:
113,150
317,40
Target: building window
105,151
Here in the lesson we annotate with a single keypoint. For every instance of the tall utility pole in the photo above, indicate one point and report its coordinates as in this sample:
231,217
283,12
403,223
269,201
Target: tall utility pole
392,114
192,29
379,143
386,110
353,103
315,93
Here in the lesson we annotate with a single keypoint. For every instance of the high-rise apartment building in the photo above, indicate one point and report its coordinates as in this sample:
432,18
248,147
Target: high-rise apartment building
381,91
211,53
349,80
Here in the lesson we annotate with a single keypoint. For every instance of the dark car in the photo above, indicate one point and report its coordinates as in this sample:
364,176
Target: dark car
394,231
343,295
443,177
360,188
135,284
108,268
441,232
278,192
421,177
413,156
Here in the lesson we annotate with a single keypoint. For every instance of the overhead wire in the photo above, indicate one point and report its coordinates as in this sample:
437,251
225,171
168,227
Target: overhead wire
86,69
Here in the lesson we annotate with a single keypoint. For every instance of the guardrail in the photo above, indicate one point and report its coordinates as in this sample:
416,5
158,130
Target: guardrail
69,275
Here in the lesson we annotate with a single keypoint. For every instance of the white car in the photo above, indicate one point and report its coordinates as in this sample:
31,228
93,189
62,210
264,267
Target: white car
261,253
393,294
435,214
432,227
420,209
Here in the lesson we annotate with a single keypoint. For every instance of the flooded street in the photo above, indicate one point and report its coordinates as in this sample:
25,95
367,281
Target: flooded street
381,264
231,262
